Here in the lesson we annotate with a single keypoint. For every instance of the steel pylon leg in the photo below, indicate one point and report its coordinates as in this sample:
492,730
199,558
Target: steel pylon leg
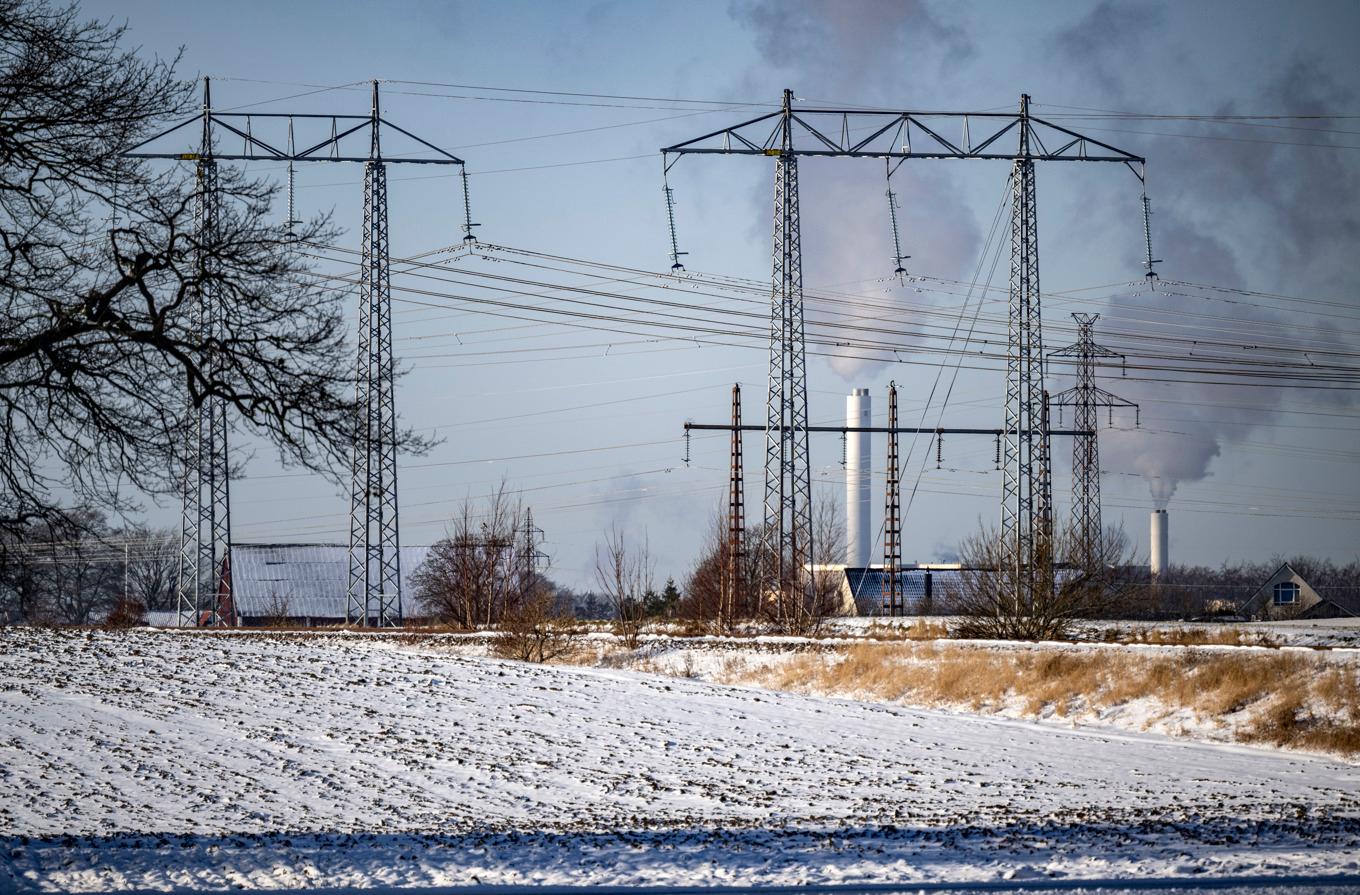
787,538
374,593
1026,505
203,587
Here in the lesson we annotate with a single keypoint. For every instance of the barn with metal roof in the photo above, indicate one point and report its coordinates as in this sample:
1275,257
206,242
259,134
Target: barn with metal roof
303,584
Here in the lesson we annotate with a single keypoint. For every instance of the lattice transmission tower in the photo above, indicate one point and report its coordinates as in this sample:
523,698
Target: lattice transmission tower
898,135
203,587
1085,397
374,590
1026,509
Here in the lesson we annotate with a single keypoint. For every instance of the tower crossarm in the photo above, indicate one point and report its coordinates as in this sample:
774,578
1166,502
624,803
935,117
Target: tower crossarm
1095,395
231,126
1078,350
896,134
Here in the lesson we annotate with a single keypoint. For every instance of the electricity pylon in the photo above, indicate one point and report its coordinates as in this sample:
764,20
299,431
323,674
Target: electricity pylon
203,587
1026,510
374,591
892,516
889,134
734,564
1085,397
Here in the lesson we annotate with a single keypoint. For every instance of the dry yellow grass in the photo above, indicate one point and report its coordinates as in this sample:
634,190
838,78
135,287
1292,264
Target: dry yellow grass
1286,699
1225,635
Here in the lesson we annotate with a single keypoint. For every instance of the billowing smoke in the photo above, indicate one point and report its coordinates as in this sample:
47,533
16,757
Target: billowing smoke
851,243
1240,209
846,232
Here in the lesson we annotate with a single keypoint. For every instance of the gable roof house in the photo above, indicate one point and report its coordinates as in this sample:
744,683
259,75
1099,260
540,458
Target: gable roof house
1285,595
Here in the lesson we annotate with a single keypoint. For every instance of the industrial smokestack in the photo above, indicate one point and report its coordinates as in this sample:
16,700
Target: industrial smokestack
1159,543
858,466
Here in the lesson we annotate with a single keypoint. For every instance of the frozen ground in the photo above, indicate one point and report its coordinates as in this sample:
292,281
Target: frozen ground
159,760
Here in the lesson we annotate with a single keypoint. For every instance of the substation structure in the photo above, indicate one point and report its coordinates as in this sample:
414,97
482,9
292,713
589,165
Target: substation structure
735,549
1026,499
374,583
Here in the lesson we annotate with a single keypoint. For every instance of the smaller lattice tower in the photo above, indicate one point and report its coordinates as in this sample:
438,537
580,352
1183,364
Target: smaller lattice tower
1085,397
892,518
734,561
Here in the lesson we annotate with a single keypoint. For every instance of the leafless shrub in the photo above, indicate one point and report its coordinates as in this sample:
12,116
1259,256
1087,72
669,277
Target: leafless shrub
1067,585
625,574
127,613
811,592
478,571
277,612
720,593
536,629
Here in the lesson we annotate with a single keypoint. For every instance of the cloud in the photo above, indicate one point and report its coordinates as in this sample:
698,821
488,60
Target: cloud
834,43
1106,34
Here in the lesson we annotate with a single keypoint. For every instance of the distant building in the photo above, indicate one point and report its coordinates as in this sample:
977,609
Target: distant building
303,584
864,591
1286,595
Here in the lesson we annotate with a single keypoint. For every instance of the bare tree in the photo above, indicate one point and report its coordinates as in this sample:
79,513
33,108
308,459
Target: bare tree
1082,585
478,571
102,268
718,592
625,573
801,605
152,566
538,628
63,571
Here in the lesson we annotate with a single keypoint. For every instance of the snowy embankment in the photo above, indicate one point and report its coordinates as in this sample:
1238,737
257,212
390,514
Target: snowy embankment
155,760
1288,697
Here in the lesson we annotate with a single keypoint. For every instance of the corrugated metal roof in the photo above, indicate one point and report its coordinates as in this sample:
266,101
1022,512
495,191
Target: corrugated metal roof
868,586
309,579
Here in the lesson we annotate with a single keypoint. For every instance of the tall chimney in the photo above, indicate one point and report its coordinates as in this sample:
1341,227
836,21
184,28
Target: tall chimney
1158,544
858,467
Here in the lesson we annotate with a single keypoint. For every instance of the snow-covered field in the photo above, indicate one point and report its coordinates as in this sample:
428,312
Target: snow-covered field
160,760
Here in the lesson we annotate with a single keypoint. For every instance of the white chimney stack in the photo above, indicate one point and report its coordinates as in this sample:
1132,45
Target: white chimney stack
858,467
1159,544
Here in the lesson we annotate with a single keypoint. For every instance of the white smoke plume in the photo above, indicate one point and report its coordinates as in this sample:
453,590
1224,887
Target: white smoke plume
846,232
1242,213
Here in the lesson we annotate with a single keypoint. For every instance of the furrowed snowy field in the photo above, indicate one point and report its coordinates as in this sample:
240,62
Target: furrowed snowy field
166,760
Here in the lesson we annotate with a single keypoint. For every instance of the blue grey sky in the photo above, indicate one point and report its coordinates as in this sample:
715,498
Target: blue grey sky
1264,206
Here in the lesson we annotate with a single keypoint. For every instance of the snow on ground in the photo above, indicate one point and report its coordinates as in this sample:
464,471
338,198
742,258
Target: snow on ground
157,760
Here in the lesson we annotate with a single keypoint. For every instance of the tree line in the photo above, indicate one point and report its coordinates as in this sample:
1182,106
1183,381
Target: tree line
88,574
